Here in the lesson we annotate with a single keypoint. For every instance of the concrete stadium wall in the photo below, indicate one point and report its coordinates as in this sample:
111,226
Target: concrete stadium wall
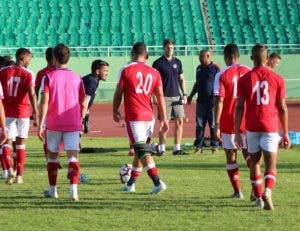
289,69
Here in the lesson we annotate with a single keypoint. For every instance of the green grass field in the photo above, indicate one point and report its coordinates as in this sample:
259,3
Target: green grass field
196,198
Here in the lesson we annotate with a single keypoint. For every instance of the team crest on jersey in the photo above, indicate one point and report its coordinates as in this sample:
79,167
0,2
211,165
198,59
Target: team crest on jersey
174,65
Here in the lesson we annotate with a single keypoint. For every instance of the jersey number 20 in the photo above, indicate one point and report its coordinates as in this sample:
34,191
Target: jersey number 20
144,86
13,84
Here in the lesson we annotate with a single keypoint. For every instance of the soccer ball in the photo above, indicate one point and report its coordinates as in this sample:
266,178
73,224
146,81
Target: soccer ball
125,172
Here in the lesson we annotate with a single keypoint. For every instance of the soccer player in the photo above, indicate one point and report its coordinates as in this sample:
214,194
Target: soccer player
50,67
63,102
137,81
225,99
204,87
19,100
261,94
91,81
273,60
3,134
173,81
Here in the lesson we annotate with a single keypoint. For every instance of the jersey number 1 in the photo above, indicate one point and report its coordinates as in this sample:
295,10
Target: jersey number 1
13,84
265,98
143,86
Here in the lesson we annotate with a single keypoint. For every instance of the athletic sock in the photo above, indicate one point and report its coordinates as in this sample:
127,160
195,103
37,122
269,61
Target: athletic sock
152,172
3,165
270,179
15,161
6,155
256,185
73,170
21,158
176,147
233,174
162,147
52,167
135,173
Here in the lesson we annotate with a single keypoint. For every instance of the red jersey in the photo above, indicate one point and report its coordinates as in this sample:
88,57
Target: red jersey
228,83
261,88
138,81
41,74
15,82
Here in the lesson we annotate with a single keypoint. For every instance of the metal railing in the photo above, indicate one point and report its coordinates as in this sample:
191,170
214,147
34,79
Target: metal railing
180,50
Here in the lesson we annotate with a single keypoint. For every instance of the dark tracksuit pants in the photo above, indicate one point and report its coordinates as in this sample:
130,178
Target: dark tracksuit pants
204,115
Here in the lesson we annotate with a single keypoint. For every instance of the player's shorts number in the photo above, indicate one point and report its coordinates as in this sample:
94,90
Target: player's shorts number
264,100
144,86
13,84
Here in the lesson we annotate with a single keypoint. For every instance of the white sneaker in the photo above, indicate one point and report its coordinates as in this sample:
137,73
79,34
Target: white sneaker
51,192
267,198
74,193
158,189
259,203
237,195
19,180
10,178
127,188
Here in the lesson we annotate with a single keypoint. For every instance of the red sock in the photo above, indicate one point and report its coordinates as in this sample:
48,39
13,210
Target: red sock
3,165
148,140
73,173
135,173
52,169
256,185
6,155
14,156
270,179
21,158
233,174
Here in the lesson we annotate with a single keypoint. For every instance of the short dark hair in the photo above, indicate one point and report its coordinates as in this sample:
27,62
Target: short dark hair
62,53
167,42
231,51
6,60
139,48
97,64
21,52
49,54
275,56
258,52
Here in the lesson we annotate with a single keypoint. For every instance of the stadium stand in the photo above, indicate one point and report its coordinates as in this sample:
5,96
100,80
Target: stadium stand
123,22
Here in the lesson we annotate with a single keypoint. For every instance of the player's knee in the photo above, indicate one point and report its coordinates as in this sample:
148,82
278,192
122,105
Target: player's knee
139,149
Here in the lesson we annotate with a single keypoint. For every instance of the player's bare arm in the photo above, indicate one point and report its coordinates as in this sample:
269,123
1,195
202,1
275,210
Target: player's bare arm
161,106
218,108
239,112
183,87
283,116
43,108
33,101
193,92
82,101
117,116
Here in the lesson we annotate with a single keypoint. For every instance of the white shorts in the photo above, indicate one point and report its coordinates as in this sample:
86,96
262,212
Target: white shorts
70,140
228,141
17,127
267,141
139,131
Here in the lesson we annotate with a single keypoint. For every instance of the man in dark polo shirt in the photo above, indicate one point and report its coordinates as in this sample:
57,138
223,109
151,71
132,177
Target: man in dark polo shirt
174,89
204,87
91,83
